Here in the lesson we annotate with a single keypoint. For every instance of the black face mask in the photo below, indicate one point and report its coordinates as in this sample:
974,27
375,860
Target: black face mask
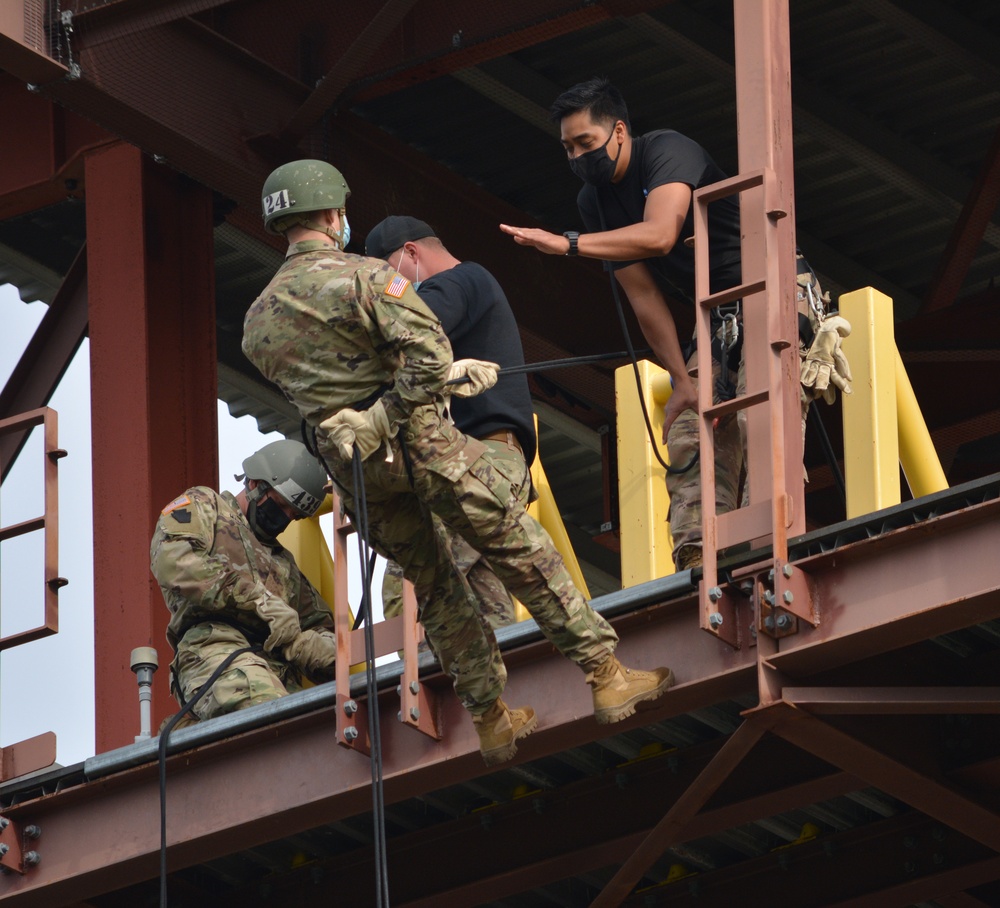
596,167
267,519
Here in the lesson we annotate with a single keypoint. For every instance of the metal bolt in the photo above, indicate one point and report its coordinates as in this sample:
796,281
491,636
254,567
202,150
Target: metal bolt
399,690
910,842
4,822
753,630
350,707
769,622
784,622
937,857
399,716
31,858
769,597
715,594
414,713
4,848
160,159
788,570
910,867
715,620
34,89
788,596
770,576
414,687
350,733
32,832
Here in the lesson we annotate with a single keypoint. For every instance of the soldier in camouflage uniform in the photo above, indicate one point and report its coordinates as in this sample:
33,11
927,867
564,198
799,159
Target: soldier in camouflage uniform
366,363
636,205
230,585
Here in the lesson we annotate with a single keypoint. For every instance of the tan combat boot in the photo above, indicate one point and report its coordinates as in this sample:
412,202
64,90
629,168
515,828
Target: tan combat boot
688,556
500,728
618,690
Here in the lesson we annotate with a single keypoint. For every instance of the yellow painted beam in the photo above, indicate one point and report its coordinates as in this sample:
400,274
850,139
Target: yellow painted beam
646,544
917,455
871,438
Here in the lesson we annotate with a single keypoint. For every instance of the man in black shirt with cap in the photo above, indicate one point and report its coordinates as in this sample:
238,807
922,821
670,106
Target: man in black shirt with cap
480,324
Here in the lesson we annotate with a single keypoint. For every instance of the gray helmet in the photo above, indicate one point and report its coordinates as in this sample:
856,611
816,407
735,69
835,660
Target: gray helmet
301,187
288,468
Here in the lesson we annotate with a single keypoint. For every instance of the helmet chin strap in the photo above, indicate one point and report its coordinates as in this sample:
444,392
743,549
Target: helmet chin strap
336,235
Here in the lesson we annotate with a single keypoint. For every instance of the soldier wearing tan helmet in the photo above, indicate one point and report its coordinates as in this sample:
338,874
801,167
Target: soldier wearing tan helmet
229,584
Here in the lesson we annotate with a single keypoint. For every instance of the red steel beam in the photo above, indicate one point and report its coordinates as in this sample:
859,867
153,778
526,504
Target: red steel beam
962,812
901,588
46,358
967,234
880,701
153,401
300,778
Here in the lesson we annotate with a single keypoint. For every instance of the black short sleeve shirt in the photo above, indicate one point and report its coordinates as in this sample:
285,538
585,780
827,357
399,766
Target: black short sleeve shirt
658,158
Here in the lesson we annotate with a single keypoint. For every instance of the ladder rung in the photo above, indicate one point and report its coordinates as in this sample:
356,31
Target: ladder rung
737,403
732,294
743,524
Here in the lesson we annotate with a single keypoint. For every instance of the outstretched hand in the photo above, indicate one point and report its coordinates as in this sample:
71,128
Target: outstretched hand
542,240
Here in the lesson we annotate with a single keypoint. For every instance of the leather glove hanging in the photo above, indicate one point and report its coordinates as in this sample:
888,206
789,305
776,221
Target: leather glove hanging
481,375
366,430
825,367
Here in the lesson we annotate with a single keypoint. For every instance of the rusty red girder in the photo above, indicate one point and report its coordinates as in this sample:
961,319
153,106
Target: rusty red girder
278,762
46,357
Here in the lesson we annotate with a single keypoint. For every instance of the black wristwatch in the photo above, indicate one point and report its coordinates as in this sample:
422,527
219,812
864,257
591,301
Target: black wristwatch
573,236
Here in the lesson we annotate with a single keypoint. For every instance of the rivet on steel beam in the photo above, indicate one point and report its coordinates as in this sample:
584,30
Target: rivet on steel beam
414,713
414,687
715,620
350,707
788,570
350,733
784,622
31,858
715,594
788,596
32,832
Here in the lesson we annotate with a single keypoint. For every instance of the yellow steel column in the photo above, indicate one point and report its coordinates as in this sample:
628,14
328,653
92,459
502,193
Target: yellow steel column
917,454
871,441
646,544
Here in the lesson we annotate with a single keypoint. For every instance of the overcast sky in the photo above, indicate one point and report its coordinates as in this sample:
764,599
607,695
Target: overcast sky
48,685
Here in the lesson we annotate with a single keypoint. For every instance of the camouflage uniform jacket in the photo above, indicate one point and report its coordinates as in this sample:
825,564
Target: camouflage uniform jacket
334,330
210,566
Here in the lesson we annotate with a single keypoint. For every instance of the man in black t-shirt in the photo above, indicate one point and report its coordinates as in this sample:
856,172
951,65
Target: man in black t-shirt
480,324
637,207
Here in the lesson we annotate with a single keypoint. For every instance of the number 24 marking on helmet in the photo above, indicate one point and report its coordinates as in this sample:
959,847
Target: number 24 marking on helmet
276,201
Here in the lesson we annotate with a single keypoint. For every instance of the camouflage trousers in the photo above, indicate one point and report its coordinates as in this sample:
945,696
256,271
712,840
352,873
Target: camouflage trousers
478,498
252,678
492,601
684,489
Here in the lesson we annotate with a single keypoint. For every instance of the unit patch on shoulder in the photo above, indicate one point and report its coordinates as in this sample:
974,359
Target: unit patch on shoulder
397,286
175,504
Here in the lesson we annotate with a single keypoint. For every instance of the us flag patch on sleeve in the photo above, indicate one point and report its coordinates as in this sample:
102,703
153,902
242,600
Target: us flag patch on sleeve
396,286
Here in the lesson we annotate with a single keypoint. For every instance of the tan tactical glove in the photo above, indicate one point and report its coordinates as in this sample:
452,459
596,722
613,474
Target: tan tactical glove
282,619
481,375
825,363
314,652
366,430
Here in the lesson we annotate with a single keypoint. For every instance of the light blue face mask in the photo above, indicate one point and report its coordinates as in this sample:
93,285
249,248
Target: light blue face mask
415,284
345,234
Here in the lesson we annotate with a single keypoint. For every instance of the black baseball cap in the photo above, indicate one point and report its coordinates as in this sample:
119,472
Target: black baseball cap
392,232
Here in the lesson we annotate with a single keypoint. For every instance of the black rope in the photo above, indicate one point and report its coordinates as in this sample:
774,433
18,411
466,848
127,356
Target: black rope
831,456
374,726
565,363
635,365
162,756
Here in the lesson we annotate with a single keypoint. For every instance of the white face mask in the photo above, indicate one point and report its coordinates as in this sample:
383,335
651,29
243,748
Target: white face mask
417,282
